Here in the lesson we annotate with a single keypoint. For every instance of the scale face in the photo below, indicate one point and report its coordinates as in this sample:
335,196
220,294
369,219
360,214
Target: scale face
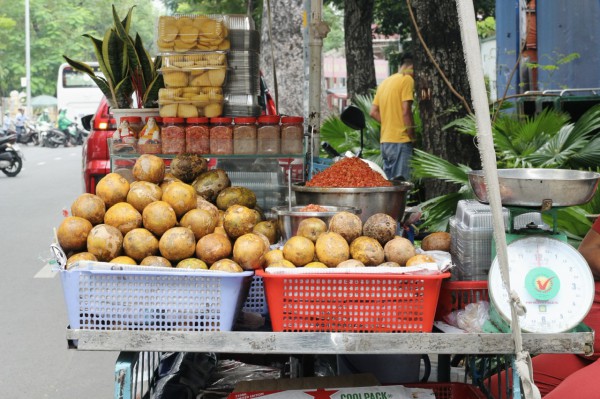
553,280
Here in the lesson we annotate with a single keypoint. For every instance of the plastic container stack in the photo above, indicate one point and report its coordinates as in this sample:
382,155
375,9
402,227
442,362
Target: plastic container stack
194,50
243,83
472,235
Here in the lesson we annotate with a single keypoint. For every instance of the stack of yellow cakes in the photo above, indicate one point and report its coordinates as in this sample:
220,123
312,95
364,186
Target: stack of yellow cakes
194,65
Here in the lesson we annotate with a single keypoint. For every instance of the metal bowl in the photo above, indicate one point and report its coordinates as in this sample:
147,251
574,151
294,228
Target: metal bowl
534,187
288,219
371,200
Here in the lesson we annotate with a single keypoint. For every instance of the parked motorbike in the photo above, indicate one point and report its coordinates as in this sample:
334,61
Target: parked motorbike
52,137
76,135
11,157
30,135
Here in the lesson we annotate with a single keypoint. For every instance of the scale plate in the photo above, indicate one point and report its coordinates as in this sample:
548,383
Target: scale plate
552,279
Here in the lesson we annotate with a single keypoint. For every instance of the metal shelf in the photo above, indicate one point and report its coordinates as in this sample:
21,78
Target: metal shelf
326,343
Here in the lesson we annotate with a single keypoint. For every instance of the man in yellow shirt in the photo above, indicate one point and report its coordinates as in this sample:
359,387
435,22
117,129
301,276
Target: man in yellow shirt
392,107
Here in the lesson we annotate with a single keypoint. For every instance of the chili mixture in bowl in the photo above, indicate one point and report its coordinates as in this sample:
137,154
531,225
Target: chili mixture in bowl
348,172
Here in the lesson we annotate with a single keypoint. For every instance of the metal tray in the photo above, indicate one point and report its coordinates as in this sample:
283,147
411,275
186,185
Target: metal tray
530,187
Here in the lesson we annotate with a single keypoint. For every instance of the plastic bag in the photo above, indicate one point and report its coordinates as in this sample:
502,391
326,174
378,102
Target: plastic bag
230,372
471,318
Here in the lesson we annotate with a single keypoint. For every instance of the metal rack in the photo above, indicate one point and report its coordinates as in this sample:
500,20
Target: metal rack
326,343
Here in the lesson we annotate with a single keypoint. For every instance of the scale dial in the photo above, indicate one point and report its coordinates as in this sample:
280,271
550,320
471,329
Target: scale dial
552,279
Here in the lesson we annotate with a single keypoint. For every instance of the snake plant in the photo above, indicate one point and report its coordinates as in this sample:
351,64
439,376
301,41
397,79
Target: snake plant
126,68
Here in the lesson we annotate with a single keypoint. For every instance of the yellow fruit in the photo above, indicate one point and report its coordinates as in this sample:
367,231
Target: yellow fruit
399,250
316,265
282,263
381,227
81,256
125,260
367,250
105,242
72,233
140,243
181,197
269,229
350,263
142,193
199,221
299,250
226,265
112,188
311,228
249,251
239,220
124,217
213,247
90,207
158,261
346,224
273,256
159,217
438,241
192,263
150,168
332,249
177,243
419,260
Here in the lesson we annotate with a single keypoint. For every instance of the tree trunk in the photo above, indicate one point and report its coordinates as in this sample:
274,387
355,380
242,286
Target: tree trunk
437,22
288,52
360,66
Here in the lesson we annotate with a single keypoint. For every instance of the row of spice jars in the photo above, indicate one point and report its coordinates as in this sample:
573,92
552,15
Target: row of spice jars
268,134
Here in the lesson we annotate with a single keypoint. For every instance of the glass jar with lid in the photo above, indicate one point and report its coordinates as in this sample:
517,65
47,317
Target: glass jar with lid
221,136
292,134
173,136
197,136
268,135
244,135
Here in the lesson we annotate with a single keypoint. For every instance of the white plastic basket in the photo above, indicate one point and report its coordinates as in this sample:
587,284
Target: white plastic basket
106,296
256,301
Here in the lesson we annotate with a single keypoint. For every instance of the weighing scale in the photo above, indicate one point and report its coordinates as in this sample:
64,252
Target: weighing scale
552,279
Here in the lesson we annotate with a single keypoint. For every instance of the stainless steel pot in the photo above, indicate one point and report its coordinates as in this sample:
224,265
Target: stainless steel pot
371,200
288,219
533,187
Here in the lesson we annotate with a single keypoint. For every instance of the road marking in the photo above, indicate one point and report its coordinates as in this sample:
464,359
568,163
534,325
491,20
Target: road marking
46,272
57,158
41,163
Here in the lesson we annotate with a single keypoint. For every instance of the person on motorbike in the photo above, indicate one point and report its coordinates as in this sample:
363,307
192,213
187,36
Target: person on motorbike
44,117
64,122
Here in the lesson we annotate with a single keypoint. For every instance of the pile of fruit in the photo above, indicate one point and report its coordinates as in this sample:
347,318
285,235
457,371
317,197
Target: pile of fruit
346,242
190,217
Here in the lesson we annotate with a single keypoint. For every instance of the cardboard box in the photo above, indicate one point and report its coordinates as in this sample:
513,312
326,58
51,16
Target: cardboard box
357,386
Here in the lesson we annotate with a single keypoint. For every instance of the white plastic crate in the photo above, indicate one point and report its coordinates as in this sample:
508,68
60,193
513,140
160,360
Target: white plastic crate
256,301
105,296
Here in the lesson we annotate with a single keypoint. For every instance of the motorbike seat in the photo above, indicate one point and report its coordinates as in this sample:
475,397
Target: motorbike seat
11,138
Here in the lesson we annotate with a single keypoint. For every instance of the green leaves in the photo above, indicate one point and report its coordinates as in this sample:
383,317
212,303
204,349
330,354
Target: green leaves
125,64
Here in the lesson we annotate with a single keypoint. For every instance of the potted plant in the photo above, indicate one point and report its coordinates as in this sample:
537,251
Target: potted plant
126,67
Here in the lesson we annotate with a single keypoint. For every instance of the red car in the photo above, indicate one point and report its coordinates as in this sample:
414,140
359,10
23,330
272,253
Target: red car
96,160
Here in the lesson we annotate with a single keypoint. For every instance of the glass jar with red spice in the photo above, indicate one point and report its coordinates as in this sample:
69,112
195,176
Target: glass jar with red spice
173,136
292,134
268,135
221,136
197,136
244,135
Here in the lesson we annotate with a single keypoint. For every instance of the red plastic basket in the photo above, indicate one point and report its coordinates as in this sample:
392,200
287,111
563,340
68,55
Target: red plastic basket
352,302
451,390
455,295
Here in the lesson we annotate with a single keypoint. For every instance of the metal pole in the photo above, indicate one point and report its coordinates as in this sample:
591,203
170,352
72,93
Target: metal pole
27,59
